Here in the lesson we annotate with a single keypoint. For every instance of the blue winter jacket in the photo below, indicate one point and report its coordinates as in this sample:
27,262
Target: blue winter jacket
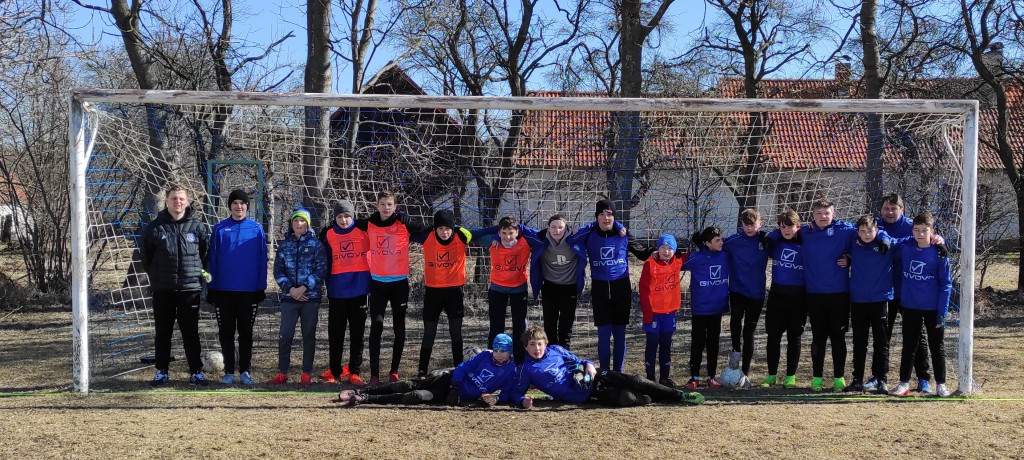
821,248
238,256
747,260
552,375
787,261
479,375
300,262
926,280
902,228
709,282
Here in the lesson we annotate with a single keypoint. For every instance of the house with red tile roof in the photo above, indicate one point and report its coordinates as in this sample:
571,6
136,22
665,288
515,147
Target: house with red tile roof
15,220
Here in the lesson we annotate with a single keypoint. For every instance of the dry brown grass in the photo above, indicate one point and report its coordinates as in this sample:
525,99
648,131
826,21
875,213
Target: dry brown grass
174,423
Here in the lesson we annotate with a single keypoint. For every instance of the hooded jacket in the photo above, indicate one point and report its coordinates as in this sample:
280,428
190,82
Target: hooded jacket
300,262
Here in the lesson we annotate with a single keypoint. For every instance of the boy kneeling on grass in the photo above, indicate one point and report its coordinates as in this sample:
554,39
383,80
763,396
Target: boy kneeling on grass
484,380
565,377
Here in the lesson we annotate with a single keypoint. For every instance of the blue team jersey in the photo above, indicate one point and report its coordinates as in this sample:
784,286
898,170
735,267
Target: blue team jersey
607,254
552,375
479,375
747,260
709,282
822,248
238,256
787,261
926,282
871,270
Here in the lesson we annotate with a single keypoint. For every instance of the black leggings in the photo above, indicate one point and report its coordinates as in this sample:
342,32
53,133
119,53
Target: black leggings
236,311
436,300
429,390
381,293
559,304
830,318
496,303
913,321
742,322
342,313
613,388
921,367
705,334
865,316
786,312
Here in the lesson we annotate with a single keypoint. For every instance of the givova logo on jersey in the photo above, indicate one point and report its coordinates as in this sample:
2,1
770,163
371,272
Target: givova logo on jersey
481,379
510,263
383,247
787,259
608,258
347,250
714,277
916,272
671,282
443,260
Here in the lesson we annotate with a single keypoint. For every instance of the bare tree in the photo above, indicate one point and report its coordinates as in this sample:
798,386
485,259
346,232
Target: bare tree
755,39
987,25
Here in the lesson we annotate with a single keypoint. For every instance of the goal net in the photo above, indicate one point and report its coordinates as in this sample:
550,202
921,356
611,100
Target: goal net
669,165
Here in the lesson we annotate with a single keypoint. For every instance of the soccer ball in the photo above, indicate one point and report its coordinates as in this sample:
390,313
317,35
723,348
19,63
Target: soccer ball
469,352
213,361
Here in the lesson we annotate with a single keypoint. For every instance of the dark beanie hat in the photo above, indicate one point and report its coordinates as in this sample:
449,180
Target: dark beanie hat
238,194
344,207
444,218
602,206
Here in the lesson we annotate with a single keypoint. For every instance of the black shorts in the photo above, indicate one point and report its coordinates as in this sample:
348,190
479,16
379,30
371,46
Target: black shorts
449,300
612,301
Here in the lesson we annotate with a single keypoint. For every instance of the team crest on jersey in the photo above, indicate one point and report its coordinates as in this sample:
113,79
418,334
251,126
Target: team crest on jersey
831,231
190,237
789,255
383,242
715,272
607,252
917,267
875,249
760,246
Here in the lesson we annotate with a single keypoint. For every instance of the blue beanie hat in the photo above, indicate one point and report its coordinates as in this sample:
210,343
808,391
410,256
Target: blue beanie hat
669,240
502,342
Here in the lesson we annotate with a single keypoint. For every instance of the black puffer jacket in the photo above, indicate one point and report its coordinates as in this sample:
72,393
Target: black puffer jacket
174,253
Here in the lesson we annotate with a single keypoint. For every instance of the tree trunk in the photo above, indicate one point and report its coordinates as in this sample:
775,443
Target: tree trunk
316,143
873,90
625,146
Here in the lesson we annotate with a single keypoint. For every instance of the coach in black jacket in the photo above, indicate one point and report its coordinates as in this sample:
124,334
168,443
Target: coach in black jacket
174,253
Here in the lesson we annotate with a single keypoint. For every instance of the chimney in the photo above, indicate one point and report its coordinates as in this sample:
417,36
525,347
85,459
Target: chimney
843,72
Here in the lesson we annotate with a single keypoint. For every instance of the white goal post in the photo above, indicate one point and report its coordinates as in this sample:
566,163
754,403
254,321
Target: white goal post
92,110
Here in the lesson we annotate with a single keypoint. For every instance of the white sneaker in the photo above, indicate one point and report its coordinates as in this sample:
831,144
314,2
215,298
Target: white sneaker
229,379
902,389
942,391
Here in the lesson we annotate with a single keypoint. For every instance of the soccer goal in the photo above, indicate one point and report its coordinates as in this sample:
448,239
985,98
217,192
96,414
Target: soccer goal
669,165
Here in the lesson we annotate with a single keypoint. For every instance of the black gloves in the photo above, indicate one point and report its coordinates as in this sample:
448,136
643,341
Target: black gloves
941,250
453,397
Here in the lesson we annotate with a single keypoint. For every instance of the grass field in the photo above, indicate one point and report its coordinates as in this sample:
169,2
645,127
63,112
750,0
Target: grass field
179,423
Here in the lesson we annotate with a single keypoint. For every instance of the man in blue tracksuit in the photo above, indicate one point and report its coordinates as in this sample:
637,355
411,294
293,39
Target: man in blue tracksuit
747,279
238,267
925,293
485,379
898,225
607,248
825,242
565,377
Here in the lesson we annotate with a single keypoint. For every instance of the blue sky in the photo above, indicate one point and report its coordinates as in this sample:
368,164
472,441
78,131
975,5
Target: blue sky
260,23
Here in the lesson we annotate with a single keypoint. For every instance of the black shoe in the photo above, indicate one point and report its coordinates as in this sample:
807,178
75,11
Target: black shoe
856,386
667,382
882,388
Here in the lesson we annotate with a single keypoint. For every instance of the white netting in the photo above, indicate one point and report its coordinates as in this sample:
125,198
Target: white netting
689,169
